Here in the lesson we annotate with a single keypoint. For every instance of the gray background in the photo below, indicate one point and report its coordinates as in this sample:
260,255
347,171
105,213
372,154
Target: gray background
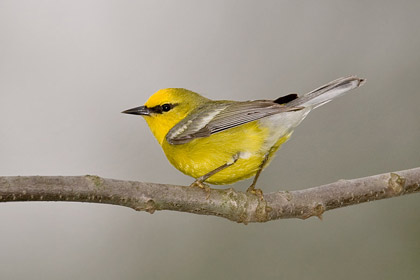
68,68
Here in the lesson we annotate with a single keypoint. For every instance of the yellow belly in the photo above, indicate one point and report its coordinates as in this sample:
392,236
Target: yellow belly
203,155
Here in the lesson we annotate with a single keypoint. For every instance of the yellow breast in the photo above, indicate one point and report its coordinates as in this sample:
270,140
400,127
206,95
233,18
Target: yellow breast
203,155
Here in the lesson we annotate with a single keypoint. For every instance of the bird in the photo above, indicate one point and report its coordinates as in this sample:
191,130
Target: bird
222,141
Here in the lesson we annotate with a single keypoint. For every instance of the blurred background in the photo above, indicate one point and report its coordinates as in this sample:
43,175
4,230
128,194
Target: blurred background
68,68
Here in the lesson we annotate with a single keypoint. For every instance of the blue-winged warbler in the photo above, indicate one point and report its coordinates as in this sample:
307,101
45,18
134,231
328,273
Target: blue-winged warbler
221,142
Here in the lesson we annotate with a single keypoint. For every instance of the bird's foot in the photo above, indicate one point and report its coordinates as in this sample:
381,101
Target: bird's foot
201,185
258,192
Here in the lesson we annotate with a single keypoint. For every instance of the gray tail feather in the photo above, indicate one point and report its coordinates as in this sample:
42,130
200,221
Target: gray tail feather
327,92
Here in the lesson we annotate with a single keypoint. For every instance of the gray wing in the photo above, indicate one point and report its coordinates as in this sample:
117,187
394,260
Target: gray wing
220,116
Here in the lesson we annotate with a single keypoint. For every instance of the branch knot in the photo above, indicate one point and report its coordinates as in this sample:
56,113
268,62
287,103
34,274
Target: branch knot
396,183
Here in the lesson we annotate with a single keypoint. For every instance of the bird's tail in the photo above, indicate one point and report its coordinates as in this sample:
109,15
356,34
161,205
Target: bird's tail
327,92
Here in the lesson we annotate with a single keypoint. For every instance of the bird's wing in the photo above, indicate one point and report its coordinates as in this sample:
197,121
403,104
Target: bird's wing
218,116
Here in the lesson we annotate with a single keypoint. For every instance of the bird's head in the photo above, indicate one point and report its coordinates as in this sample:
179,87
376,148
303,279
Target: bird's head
166,108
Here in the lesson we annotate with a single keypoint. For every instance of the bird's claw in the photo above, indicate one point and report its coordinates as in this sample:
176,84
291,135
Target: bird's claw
202,186
258,192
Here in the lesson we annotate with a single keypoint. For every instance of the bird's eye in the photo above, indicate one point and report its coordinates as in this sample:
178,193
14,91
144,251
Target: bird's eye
166,107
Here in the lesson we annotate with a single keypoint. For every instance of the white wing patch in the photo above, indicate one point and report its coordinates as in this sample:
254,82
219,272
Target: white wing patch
181,129
207,119
217,116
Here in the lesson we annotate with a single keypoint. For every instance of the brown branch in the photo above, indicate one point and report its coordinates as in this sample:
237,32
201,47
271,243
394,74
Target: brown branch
230,204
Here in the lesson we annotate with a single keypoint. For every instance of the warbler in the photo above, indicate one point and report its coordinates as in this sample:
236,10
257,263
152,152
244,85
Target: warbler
222,142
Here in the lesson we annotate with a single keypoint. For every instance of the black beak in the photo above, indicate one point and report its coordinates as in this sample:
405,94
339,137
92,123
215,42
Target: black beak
142,110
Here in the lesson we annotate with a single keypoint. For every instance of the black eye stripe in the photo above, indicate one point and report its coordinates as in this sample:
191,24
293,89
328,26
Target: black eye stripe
159,109
166,107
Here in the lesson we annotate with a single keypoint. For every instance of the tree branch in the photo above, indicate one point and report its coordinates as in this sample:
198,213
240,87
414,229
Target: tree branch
235,206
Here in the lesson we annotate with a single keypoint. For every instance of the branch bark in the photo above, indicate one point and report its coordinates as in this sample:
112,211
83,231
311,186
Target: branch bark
233,205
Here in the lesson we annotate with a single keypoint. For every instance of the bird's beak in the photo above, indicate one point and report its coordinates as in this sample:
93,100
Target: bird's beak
142,110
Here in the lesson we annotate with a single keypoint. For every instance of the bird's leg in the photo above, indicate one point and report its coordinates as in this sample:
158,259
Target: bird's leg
199,182
252,188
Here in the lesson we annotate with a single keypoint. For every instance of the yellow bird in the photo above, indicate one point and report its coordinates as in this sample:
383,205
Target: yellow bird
221,142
